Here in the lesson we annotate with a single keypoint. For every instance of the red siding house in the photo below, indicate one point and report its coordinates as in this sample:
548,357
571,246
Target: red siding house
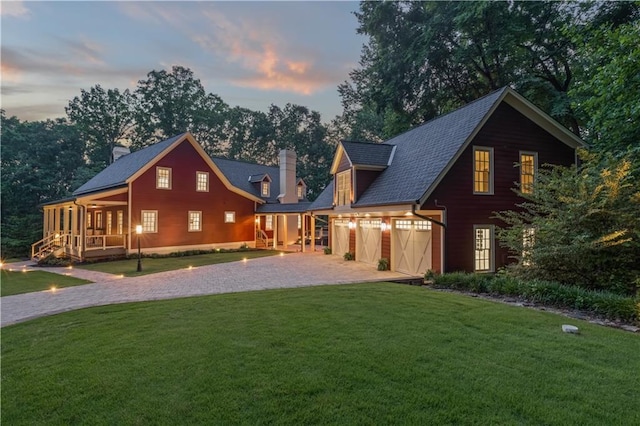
424,200
182,199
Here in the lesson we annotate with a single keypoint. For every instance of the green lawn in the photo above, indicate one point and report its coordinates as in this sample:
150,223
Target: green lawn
27,282
356,354
151,266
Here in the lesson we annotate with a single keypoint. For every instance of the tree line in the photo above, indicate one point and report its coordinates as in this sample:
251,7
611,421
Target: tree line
577,61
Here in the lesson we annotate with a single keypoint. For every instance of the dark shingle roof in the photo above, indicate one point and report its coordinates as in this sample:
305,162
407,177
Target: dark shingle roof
366,153
238,173
122,169
284,208
421,155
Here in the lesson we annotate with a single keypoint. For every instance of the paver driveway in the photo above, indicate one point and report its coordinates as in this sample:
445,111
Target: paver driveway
291,270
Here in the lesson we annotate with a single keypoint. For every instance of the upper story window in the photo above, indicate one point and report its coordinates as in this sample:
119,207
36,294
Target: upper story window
163,178
343,188
300,191
202,181
482,170
528,167
265,188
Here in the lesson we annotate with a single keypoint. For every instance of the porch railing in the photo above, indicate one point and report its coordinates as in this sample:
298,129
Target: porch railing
103,242
49,244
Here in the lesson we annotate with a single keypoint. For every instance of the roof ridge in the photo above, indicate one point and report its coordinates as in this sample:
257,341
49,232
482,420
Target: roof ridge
240,161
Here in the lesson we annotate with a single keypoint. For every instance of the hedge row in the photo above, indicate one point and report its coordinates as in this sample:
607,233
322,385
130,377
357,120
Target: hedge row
605,304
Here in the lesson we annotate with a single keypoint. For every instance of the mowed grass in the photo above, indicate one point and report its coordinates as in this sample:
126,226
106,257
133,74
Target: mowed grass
17,282
150,265
358,354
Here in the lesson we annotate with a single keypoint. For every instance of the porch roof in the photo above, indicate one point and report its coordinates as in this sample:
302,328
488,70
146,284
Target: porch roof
274,208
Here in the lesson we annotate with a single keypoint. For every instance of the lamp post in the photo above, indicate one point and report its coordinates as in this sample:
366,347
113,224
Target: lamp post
138,232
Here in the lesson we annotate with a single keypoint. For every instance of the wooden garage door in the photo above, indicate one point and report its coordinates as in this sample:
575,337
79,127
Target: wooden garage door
368,236
411,246
340,237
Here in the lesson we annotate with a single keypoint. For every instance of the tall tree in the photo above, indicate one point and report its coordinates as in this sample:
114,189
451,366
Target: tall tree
104,118
175,102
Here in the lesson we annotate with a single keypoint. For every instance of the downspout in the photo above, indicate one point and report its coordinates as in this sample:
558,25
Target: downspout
437,222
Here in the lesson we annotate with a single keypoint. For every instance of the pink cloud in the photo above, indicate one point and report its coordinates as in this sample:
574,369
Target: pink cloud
13,8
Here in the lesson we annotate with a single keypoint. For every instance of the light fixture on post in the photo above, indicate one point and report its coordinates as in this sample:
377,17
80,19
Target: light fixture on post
138,232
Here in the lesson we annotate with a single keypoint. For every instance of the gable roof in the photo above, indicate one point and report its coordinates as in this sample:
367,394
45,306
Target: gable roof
125,167
241,175
424,154
367,154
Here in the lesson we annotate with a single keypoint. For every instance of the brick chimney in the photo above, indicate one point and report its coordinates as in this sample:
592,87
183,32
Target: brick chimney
287,160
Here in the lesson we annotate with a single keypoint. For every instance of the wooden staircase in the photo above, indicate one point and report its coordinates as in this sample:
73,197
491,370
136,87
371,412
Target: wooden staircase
262,240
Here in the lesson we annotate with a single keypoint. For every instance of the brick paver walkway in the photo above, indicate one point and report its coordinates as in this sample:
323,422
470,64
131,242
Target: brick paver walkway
291,270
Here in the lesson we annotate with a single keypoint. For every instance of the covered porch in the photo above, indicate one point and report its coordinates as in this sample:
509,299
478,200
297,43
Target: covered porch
288,227
84,228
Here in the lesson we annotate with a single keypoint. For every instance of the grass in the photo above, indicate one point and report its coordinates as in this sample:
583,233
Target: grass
359,354
27,282
151,265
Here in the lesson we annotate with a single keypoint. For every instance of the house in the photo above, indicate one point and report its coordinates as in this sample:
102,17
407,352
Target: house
182,199
424,200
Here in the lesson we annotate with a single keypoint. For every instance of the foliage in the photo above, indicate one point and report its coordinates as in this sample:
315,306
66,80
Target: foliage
352,354
383,264
327,250
349,256
40,160
53,260
18,282
602,303
103,118
585,226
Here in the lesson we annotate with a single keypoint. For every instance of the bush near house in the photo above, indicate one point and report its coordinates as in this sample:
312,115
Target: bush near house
601,303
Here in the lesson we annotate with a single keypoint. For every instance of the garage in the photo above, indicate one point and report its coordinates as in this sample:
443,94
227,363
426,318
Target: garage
340,237
368,238
411,246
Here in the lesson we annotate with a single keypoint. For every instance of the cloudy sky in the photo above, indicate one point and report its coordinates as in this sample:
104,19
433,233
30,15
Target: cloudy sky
251,54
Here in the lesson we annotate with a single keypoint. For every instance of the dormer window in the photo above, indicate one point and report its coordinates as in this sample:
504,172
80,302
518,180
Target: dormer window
301,190
265,188
343,188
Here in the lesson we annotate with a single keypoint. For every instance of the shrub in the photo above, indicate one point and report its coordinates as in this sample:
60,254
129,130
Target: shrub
349,256
52,260
383,264
327,250
602,303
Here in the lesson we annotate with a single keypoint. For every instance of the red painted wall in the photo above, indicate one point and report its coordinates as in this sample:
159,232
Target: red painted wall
173,205
508,132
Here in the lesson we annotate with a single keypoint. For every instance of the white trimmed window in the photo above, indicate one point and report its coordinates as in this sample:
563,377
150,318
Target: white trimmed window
343,191
484,248
120,222
482,170
422,225
403,224
268,222
99,220
229,217
202,181
266,186
300,191
163,178
89,223
195,221
109,223
149,221
528,167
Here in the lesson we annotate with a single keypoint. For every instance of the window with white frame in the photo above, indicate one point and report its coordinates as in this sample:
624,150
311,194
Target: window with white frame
528,166
403,224
163,178
482,170
195,221
202,181
109,223
484,248
422,225
343,185
149,220
266,185
99,220
268,222
89,223
528,239
229,217
301,193
120,222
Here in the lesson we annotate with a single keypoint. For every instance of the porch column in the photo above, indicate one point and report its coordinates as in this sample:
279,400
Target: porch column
313,233
45,222
303,228
74,226
275,231
285,225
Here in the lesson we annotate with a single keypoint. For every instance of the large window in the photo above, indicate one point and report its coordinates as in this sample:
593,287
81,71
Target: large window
528,166
99,220
482,170
108,229
343,188
202,181
163,178
483,235
195,221
149,221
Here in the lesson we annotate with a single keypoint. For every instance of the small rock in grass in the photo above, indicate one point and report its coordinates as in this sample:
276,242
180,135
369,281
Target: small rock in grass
570,329
630,328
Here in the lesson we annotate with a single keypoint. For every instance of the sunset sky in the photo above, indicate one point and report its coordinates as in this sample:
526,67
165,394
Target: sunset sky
251,54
